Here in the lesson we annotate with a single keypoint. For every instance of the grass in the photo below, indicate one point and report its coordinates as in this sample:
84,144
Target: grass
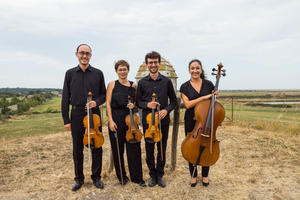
282,119
41,120
52,105
27,125
46,118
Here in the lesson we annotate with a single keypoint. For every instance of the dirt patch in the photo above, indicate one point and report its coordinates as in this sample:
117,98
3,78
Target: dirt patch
252,165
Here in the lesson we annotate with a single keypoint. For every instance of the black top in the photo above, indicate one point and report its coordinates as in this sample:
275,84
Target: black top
164,90
120,93
188,90
77,84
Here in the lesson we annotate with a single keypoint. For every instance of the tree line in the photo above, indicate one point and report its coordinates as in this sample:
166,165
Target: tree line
22,100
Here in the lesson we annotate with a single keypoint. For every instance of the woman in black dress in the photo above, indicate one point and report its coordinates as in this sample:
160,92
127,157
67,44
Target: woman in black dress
193,91
117,108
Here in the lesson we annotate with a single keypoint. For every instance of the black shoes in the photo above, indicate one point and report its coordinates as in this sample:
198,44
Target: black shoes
152,182
161,182
194,184
77,185
142,184
125,180
205,184
158,180
99,184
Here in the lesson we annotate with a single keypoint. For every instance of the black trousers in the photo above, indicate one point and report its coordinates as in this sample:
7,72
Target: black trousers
133,150
204,172
78,131
158,169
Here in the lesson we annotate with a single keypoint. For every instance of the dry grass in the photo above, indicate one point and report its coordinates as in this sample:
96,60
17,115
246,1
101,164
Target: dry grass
253,165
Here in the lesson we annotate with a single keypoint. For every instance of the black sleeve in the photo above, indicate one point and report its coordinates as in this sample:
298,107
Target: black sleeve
102,90
172,97
141,103
65,100
183,89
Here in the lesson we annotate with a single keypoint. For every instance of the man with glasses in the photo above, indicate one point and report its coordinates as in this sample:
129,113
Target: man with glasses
166,100
78,82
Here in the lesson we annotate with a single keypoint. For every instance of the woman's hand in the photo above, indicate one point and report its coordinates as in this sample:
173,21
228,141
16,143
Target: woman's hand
112,126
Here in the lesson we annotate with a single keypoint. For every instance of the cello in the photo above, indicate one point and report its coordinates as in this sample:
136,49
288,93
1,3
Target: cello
133,134
201,147
92,138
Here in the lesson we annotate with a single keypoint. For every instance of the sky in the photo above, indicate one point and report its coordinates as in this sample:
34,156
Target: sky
258,41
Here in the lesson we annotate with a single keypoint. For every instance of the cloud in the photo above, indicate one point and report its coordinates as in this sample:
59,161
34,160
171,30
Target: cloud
258,35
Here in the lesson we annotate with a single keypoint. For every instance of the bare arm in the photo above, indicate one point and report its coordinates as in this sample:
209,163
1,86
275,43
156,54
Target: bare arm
112,125
191,103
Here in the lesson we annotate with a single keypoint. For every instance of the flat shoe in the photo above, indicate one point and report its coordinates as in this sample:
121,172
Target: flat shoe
193,184
205,184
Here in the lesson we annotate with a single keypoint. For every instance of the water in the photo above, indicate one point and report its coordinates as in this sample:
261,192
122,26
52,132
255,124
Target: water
282,102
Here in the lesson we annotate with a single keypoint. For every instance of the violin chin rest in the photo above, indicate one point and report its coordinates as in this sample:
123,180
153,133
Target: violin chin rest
149,140
132,141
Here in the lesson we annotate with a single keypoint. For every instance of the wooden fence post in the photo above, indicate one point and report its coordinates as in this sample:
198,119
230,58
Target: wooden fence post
111,162
175,134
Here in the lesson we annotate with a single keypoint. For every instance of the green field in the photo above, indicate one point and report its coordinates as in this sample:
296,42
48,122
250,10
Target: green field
46,118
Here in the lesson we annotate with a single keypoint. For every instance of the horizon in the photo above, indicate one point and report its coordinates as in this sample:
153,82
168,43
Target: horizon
177,89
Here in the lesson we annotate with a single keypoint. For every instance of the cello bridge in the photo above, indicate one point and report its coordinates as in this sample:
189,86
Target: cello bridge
204,135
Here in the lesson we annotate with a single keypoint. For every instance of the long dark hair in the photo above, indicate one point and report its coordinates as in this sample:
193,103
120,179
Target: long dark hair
202,75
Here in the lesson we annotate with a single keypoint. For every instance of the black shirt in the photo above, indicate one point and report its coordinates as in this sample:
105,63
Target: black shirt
120,93
187,89
162,87
77,84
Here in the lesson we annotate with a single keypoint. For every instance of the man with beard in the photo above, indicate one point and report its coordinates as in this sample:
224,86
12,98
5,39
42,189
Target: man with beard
78,82
166,100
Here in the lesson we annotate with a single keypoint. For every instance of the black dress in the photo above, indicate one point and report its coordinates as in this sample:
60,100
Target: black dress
119,111
189,122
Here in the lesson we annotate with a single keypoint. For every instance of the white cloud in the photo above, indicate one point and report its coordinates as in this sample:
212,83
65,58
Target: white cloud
258,35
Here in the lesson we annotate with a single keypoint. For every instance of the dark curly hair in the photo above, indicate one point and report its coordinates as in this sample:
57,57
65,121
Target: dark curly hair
152,55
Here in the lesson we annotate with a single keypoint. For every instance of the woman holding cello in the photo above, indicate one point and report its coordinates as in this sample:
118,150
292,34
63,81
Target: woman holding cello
118,107
193,91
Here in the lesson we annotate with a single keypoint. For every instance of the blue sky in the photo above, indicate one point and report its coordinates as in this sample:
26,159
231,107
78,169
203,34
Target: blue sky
257,41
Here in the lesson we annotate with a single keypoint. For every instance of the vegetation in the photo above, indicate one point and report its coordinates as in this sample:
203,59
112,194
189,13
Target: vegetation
20,100
248,112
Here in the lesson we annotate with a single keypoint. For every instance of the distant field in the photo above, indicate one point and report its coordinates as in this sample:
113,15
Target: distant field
51,105
249,112
47,118
40,120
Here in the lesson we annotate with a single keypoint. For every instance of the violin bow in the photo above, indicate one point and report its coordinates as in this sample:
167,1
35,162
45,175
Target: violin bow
89,144
160,134
117,141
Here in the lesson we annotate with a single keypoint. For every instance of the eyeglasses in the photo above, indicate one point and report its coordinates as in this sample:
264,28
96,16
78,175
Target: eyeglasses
82,53
153,62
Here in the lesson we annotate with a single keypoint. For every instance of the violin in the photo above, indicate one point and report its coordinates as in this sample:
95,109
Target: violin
201,147
152,133
133,134
92,138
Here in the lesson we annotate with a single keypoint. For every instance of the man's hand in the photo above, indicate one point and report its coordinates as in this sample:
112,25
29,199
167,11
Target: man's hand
152,105
162,114
68,127
130,105
91,104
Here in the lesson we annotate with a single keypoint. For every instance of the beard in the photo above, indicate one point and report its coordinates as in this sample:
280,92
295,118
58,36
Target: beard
153,70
